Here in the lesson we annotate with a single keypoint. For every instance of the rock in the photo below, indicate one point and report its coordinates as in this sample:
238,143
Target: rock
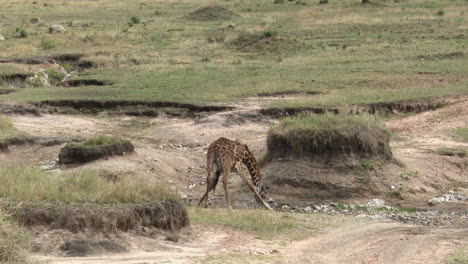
285,207
270,200
2,38
376,203
308,209
40,78
435,200
57,29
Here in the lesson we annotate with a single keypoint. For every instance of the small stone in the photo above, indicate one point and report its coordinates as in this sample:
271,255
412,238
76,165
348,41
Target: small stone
57,29
435,201
308,209
2,38
376,203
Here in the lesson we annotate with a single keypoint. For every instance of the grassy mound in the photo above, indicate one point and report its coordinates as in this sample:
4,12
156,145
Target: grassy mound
94,148
329,135
87,200
10,135
211,13
258,42
13,241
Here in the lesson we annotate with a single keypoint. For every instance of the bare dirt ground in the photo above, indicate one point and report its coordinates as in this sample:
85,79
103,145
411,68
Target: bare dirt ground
174,149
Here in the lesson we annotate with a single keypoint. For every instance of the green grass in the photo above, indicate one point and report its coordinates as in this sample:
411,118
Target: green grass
262,223
461,133
20,183
327,133
459,256
9,134
350,53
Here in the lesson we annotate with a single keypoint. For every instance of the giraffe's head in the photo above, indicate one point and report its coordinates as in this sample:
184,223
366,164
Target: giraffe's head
261,191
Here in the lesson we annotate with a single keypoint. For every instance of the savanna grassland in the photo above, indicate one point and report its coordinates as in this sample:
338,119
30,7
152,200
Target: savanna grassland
352,53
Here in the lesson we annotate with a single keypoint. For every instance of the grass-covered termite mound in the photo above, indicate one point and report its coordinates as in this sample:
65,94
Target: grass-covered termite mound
329,136
94,148
326,157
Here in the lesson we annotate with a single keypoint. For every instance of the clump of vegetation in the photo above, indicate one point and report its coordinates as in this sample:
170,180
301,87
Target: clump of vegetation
47,44
94,148
135,20
409,174
329,134
205,59
456,151
278,2
55,77
33,184
14,241
269,33
21,32
323,2
440,12
10,135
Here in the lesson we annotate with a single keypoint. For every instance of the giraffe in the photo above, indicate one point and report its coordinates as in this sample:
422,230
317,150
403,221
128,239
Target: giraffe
229,155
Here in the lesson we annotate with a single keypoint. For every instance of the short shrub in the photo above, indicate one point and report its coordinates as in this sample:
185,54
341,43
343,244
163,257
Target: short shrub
205,59
440,13
323,2
278,2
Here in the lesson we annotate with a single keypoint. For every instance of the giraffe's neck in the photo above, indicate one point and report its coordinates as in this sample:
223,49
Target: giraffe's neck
254,172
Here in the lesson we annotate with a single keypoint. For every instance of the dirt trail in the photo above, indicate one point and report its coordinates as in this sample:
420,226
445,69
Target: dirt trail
362,242
379,243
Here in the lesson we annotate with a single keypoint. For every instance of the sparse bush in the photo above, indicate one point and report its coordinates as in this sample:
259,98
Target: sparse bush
205,59
237,61
278,2
47,44
323,2
329,134
440,12
34,20
135,20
